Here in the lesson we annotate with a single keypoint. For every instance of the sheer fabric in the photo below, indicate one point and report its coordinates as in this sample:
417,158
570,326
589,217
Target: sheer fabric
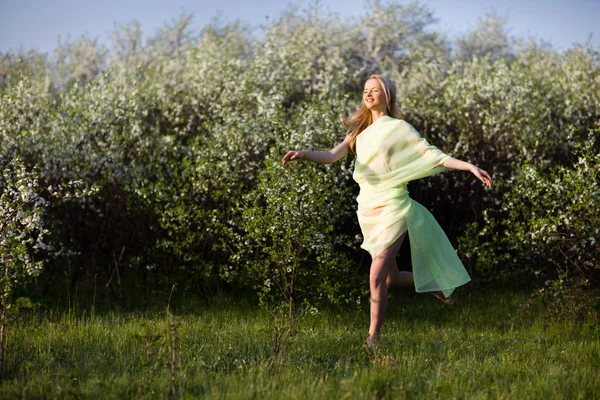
389,154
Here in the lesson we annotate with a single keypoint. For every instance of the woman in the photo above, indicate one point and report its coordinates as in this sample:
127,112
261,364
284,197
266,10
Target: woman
389,154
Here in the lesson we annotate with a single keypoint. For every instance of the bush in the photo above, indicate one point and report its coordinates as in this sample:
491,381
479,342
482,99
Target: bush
23,204
545,225
181,136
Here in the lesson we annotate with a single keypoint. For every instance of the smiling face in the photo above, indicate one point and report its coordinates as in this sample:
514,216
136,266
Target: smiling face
374,96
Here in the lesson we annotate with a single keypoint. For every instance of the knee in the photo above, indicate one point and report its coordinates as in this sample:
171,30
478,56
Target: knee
389,282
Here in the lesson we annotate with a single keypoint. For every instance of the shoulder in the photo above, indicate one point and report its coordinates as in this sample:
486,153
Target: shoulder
403,123
405,130
390,124
399,124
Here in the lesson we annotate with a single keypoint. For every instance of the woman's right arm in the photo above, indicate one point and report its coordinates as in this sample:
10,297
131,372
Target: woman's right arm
320,157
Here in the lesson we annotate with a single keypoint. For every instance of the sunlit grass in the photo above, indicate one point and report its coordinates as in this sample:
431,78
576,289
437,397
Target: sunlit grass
487,346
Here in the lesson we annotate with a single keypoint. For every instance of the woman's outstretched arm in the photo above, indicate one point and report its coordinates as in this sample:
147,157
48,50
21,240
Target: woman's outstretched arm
482,175
320,157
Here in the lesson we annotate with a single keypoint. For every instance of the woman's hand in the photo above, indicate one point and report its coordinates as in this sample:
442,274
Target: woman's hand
291,156
482,175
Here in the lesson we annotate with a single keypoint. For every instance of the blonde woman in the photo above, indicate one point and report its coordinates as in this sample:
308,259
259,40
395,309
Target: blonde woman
389,154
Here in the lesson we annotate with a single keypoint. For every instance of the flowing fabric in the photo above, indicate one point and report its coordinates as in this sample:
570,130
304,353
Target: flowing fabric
389,154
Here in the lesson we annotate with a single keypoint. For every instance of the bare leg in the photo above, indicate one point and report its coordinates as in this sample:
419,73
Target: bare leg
399,279
404,279
381,266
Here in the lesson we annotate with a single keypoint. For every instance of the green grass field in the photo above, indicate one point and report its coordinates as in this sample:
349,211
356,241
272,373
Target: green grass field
486,346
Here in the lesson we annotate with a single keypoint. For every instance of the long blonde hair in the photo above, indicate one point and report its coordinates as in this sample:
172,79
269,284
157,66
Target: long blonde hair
362,118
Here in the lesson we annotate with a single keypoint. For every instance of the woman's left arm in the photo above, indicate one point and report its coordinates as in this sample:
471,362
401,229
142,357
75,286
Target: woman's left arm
483,176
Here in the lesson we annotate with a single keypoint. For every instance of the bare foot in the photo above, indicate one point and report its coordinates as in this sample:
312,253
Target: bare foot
371,341
440,296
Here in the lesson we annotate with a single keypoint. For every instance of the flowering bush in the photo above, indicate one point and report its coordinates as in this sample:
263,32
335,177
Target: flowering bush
182,135
23,205
21,230
545,226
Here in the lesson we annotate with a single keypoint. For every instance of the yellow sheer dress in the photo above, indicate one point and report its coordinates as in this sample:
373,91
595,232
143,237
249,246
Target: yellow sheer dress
389,154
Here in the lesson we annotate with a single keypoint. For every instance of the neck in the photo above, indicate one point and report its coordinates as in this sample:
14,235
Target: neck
376,114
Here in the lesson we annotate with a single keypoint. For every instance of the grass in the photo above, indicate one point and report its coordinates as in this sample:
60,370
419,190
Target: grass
487,346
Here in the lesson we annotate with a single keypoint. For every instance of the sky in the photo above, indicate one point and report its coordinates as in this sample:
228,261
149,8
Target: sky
38,24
